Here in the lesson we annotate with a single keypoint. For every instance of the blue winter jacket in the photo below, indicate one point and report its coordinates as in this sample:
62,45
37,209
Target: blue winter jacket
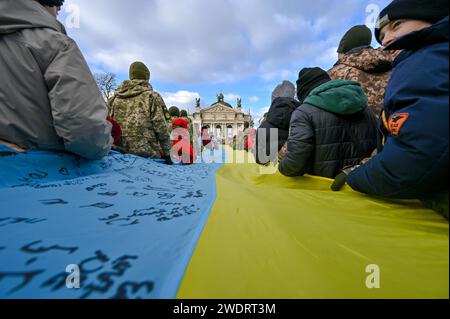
413,162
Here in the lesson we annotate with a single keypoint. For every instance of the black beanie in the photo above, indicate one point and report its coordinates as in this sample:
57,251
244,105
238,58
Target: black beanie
356,37
174,111
308,80
431,11
51,3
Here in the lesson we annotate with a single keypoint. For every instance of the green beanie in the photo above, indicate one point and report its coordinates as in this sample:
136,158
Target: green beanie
356,37
138,71
184,113
174,111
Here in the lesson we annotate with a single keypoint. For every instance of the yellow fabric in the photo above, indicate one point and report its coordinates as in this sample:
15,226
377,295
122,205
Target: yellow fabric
270,236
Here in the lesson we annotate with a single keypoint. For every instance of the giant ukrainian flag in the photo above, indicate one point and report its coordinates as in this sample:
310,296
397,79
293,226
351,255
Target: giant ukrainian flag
135,228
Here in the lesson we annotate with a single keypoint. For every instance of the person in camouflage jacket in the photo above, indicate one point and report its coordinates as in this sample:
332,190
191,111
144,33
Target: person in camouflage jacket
359,62
140,112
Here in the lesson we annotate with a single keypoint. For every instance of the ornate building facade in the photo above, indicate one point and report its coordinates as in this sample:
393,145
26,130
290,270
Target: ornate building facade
223,121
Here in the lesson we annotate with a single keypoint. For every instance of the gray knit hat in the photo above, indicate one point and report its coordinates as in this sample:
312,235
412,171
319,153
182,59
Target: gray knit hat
285,89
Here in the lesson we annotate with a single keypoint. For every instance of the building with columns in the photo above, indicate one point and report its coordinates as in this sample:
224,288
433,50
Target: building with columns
223,121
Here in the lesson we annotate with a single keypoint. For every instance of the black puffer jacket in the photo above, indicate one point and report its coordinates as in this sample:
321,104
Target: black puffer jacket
333,129
279,117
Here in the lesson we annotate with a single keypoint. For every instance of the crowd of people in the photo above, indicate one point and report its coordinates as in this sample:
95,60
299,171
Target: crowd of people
378,120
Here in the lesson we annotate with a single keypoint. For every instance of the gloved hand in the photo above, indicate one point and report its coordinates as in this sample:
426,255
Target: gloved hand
341,179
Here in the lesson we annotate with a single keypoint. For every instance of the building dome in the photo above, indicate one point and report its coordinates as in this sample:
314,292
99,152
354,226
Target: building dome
222,103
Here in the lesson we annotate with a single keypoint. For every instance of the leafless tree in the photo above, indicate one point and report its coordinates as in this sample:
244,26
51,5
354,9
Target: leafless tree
106,83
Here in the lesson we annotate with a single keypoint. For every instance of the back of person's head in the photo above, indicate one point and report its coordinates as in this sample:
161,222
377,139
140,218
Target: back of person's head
308,80
51,3
357,36
53,7
285,89
139,71
422,10
174,111
184,113
246,125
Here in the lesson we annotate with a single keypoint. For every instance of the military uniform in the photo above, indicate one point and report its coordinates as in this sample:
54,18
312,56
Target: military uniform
140,112
371,68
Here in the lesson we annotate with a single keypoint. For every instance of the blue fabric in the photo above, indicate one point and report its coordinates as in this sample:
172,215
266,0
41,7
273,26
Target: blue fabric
129,223
414,164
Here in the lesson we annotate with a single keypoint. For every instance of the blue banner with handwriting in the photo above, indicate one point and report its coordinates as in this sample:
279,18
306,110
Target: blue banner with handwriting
120,227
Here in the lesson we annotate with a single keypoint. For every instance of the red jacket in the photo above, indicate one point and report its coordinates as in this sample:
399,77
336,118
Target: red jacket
182,150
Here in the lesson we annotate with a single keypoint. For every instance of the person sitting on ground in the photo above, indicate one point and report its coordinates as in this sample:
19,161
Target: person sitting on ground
49,99
333,128
278,118
182,150
413,150
359,62
139,111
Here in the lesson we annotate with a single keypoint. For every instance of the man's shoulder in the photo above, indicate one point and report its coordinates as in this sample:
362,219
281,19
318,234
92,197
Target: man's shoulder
45,39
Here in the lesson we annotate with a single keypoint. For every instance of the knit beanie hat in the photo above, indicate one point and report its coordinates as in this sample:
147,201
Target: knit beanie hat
174,111
180,123
308,80
356,37
51,3
424,10
139,71
285,89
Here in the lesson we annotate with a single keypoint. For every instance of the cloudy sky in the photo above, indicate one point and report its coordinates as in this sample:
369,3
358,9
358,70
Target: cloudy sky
199,48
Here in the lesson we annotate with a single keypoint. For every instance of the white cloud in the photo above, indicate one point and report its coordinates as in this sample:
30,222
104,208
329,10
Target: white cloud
200,41
258,115
231,97
253,99
184,100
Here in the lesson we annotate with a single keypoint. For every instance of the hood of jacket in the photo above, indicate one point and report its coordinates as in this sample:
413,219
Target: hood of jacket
280,112
132,88
16,15
368,60
339,96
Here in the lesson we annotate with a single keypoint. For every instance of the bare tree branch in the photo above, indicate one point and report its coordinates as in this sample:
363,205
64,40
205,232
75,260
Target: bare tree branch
106,83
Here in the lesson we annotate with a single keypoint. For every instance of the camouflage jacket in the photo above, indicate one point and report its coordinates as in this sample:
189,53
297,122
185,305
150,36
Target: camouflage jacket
140,112
371,68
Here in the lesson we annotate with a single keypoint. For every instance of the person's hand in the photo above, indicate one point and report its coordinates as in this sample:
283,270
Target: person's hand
119,149
282,153
341,179
13,147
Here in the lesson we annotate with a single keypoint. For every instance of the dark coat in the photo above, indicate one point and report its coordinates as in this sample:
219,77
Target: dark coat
413,162
334,128
279,117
